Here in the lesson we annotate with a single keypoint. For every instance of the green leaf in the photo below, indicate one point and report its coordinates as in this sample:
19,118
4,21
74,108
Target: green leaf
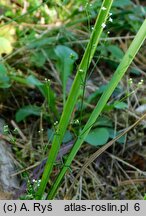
65,60
120,105
113,134
121,4
26,111
98,92
104,121
50,133
4,79
45,90
41,42
67,137
5,46
32,80
116,52
38,59
135,71
108,107
98,137
50,53
3,70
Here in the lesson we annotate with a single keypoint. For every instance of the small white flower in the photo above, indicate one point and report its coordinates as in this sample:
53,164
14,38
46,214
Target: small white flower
110,14
42,20
81,8
55,123
141,80
130,81
37,35
103,25
76,121
47,80
103,8
110,19
108,32
140,83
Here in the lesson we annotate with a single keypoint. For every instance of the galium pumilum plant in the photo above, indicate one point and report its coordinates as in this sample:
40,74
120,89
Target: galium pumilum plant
122,68
103,15
74,93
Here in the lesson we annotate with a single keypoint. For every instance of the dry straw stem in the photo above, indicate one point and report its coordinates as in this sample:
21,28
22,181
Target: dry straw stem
122,68
74,93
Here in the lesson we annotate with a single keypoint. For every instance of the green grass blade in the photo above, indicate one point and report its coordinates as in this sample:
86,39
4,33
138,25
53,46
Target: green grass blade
125,63
74,93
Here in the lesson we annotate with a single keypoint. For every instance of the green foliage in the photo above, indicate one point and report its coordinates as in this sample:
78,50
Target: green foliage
113,134
4,79
117,3
31,189
97,137
5,46
116,52
38,59
103,121
26,111
120,105
38,43
46,91
67,137
65,60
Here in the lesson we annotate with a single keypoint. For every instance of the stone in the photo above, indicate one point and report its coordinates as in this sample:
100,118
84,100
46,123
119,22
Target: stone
8,184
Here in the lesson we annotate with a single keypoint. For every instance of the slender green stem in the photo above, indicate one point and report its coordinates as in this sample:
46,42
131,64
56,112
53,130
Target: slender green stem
74,93
125,63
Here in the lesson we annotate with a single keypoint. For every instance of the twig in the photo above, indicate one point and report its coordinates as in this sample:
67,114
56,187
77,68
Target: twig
132,181
19,130
10,140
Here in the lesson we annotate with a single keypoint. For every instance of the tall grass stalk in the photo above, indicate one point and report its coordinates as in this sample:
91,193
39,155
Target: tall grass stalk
74,93
122,68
